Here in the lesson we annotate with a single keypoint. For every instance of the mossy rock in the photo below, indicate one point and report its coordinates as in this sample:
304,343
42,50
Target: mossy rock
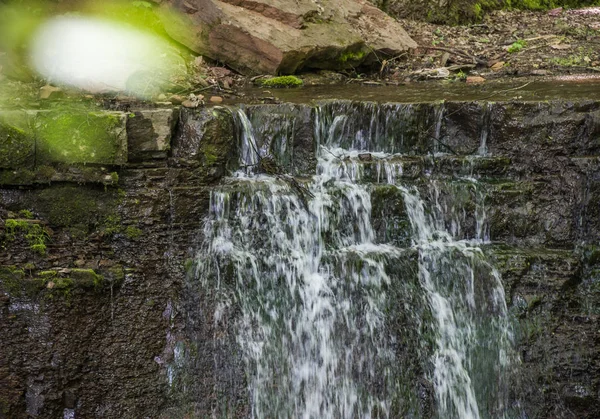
282,81
216,152
81,136
17,147
34,233
86,278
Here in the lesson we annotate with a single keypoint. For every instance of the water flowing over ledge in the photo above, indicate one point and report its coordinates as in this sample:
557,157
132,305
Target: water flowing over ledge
312,283
157,259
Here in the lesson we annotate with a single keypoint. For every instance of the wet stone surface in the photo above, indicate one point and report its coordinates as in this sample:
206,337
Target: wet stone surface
144,340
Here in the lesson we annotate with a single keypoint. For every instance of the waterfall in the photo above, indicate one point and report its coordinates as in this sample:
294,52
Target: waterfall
486,116
333,322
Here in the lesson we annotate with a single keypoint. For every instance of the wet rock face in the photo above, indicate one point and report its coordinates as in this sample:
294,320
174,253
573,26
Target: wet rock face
283,36
89,326
104,321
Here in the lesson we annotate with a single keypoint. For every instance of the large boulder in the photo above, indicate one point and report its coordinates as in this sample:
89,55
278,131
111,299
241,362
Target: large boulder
285,36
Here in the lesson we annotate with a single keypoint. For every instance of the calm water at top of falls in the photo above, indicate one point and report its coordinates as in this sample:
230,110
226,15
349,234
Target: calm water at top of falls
333,322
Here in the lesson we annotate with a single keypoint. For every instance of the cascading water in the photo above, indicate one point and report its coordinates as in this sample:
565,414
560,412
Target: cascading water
334,323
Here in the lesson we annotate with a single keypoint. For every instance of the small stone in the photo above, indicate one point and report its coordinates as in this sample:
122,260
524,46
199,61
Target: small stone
497,66
50,285
539,73
216,99
162,97
475,80
176,99
50,92
189,104
80,263
560,46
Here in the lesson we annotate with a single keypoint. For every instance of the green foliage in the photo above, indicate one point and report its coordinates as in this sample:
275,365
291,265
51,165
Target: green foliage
581,58
133,233
282,81
352,56
112,224
26,214
34,233
461,75
517,46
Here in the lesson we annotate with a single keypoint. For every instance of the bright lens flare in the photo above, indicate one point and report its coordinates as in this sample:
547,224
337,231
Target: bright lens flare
100,56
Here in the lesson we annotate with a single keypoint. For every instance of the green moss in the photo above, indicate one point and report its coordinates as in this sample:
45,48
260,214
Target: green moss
188,266
63,284
86,278
116,274
16,148
80,136
112,224
517,46
26,214
34,233
282,81
211,154
216,152
133,233
352,56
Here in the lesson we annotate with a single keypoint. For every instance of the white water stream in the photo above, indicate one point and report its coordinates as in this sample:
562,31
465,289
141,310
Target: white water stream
311,287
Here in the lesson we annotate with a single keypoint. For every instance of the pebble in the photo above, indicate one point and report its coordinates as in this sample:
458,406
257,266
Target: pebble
190,104
176,99
216,99
497,66
475,80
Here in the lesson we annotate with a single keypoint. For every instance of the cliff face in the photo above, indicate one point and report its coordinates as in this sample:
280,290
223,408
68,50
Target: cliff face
98,317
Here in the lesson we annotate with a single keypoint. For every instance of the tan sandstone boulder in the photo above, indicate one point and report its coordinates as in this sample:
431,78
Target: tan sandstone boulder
285,36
